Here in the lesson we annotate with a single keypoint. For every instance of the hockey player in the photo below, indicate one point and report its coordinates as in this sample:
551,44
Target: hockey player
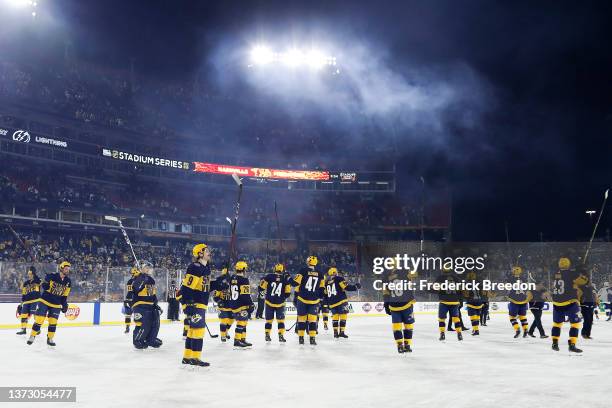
195,291
536,305
221,296
517,305
309,290
566,285
129,297
335,296
30,293
276,290
474,303
399,304
53,299
449,303
241,304
261,301
605,295
588,303
146,310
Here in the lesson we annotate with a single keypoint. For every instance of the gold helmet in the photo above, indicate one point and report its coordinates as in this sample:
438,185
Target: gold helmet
134,271
332,271
64,264
517,271
198,249
564,263
279,267
312,260
224,270
241,266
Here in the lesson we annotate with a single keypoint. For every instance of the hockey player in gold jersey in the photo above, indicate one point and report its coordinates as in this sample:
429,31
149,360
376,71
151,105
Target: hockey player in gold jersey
309,289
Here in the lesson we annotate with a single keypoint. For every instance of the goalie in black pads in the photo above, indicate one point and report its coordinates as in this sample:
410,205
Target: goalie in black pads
146,310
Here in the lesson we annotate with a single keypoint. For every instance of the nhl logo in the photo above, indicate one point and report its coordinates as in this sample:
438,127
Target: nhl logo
367,307
379,307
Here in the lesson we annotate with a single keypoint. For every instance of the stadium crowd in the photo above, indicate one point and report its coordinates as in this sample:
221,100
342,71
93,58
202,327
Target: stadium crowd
101,262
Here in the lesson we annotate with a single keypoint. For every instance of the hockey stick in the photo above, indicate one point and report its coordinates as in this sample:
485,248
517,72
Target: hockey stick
292,326
21,241
603,205
214,336
278,233
125,235
234,222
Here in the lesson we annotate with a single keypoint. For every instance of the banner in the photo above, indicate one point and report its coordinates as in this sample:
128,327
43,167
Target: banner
25,136
261,172
145,159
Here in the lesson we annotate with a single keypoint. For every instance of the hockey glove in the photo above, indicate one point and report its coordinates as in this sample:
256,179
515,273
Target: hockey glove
64,308
387,310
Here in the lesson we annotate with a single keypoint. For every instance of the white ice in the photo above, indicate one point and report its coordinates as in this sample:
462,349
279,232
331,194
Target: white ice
493,370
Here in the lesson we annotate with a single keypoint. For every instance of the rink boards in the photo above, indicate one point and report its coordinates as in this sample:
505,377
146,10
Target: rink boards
94,314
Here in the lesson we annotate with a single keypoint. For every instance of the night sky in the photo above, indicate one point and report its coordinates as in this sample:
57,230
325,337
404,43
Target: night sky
536,155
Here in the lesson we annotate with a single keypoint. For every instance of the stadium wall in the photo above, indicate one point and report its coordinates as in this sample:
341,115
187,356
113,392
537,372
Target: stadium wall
109,314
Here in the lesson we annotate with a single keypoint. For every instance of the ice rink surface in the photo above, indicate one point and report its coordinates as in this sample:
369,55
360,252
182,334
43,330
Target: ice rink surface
493,370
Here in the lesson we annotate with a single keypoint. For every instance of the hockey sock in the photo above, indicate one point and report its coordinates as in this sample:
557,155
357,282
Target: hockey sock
408,328
398,334
342,323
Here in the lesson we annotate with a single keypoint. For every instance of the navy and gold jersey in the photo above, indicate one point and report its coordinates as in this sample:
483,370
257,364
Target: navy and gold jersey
221,292
565,286
195,288
129,291
309,286
276,289
30,291
517,296
55,290
475,298
398,299
335,291
448,296
240,293
144,290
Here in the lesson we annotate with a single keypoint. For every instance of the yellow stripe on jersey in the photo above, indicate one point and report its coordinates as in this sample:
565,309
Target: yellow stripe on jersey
569,302
343,285
400,308
339,303
309,302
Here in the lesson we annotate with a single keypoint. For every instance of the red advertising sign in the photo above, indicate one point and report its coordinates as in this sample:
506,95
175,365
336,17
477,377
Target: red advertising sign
261,172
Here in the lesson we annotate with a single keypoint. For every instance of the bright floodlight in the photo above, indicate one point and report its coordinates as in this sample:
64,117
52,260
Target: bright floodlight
21,3
292,58
261,55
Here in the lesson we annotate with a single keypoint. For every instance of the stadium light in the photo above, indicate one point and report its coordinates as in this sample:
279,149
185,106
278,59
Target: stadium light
261,55
293,58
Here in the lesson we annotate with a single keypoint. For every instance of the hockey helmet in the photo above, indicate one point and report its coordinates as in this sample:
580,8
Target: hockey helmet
197,249
332,271
312,260
279,267
241,266
564,263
